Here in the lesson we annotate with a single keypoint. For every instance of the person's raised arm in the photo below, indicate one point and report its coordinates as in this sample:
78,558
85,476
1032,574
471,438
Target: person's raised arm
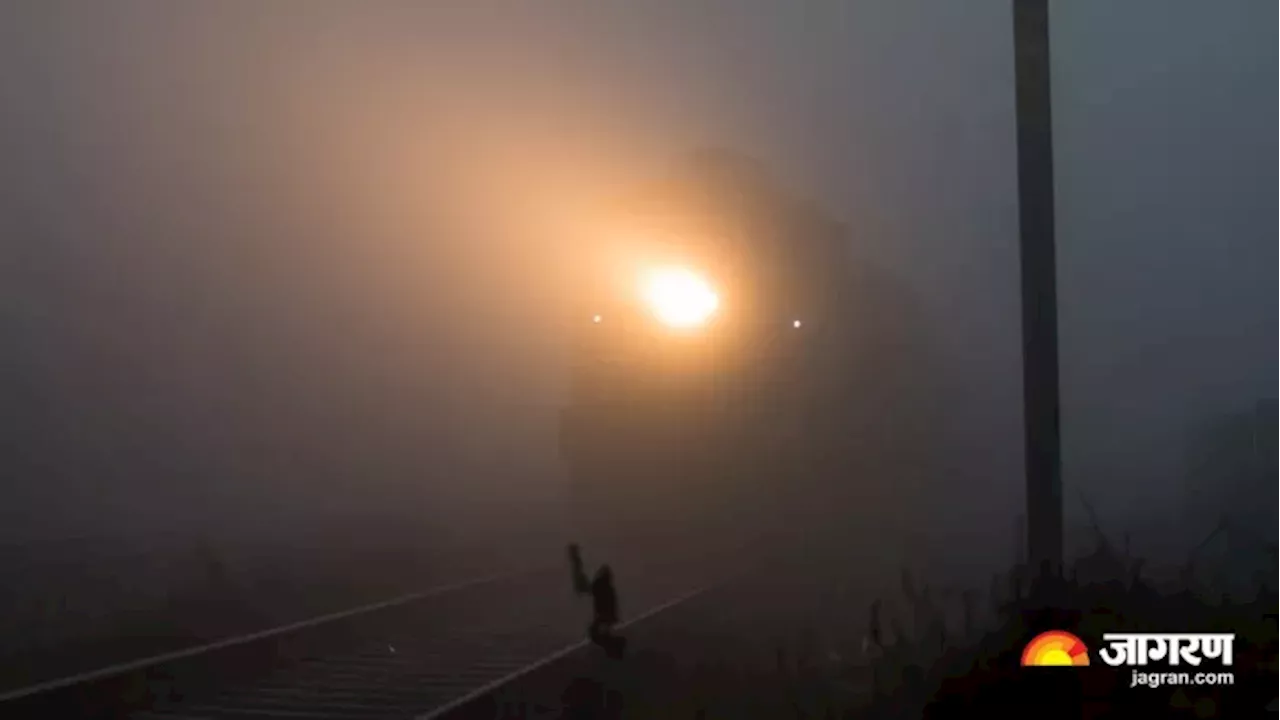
581,584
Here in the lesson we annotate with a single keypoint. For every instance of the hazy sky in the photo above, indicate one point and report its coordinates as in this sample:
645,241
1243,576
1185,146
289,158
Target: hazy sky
315,258
1167,239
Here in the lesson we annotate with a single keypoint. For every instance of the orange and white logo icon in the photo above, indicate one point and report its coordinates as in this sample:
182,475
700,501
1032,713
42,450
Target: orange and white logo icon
1055,648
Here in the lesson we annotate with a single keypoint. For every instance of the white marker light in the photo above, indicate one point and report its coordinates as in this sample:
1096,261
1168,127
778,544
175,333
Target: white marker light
596,318
796,323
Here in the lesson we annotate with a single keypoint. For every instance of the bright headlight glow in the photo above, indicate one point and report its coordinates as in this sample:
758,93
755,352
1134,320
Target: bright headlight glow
679,297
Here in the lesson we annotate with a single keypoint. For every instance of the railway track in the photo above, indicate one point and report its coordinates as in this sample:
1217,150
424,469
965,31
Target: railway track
417,656
781,642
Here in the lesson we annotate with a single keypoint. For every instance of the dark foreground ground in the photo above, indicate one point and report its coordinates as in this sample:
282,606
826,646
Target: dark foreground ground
767,646
789,646
89,607
816,636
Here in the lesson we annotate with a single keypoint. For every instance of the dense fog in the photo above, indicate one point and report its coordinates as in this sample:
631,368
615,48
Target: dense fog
293,275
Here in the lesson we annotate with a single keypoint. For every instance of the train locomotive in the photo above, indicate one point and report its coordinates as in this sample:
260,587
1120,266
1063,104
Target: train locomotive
740,377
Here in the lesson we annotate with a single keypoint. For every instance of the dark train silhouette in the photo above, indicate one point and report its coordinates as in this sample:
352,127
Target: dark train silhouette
802,403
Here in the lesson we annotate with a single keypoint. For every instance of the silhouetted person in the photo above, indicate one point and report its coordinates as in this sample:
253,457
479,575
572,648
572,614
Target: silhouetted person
604,601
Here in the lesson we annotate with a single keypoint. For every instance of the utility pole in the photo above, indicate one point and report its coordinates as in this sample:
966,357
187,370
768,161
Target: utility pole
1039,284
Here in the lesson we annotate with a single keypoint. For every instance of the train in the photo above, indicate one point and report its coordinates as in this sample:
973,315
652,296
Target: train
740,376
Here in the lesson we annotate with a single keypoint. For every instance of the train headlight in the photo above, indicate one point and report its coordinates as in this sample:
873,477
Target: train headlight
679,297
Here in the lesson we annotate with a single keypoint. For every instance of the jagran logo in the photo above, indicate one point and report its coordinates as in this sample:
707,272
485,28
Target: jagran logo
1057,648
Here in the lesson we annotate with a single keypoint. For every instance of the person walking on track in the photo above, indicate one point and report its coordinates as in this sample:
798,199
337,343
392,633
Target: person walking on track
604,600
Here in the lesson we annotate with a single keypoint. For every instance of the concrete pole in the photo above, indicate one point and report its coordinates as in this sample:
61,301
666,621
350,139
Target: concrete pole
1039,283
